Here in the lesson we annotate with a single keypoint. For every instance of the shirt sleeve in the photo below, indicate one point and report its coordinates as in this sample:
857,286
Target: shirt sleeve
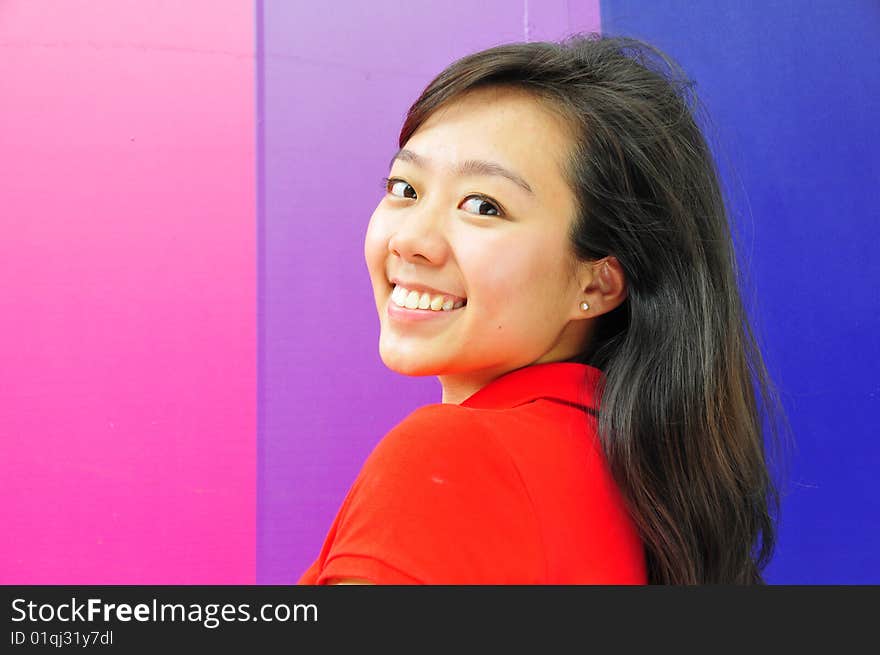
438,501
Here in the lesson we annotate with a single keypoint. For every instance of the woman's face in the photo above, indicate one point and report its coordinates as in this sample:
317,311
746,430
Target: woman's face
466,234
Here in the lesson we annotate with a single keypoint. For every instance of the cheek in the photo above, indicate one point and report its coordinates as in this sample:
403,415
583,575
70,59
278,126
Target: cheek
514,278
375,244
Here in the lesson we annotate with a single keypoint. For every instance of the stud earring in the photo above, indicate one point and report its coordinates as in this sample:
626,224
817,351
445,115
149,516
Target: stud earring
585,306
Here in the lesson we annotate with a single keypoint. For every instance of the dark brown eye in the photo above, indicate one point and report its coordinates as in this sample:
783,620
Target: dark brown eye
393,183
483,206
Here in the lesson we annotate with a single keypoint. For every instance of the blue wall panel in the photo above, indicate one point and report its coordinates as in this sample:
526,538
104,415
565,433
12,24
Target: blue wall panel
793,90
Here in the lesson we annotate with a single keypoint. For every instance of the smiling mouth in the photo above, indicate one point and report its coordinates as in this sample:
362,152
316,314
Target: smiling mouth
422,300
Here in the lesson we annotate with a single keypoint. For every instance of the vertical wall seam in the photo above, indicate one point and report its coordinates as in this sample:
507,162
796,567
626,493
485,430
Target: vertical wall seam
260,182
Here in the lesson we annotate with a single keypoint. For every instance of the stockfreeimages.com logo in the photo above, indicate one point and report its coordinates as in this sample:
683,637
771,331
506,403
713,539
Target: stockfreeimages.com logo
209,615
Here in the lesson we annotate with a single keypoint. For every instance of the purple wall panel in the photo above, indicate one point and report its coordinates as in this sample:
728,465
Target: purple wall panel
335,82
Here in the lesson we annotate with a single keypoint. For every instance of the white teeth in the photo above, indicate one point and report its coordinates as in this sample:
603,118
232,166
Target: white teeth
399,296
416,300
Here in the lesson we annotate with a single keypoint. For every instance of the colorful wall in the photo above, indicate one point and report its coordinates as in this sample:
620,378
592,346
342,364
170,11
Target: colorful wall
189,378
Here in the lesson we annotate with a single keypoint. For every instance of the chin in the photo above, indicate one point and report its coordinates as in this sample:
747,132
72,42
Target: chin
407,363
422,367
407,366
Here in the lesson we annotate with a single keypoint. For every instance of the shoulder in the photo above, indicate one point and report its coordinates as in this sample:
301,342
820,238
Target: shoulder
440,500
443,468
436,433
438,417
446,454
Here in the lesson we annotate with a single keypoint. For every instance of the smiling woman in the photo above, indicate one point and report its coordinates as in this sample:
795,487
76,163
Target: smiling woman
554,247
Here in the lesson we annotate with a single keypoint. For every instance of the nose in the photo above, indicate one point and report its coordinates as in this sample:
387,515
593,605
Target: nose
419,236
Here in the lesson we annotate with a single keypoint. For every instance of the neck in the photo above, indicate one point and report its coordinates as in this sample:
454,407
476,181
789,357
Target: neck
459,387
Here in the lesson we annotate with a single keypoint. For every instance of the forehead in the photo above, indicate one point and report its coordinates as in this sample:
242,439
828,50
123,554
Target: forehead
505,125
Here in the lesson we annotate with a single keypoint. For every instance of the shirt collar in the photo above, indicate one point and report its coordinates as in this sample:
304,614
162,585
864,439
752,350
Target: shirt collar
569,382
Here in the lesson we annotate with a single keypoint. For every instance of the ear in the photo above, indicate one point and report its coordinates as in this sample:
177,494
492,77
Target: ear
602,285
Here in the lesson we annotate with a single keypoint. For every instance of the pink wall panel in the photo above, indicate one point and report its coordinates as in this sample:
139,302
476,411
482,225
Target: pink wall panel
127,292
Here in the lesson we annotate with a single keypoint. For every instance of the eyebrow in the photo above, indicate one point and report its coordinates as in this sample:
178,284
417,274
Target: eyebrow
468,167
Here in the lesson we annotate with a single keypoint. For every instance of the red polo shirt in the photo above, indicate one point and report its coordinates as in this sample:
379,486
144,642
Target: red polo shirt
509,487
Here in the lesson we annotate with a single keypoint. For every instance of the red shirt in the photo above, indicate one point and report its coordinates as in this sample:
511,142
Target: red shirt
509,487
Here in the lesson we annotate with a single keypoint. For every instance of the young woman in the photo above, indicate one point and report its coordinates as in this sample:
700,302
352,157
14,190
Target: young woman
553,245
